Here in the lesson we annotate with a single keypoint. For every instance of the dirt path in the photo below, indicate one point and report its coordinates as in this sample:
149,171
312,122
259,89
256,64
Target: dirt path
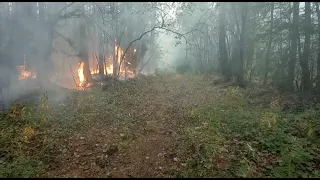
146,145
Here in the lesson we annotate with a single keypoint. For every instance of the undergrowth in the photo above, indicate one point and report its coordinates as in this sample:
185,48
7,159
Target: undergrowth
24,144
231,138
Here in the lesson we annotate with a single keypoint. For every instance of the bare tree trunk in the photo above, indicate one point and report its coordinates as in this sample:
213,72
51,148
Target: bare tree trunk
223,54
251,49
115,54
83,54
101,56
304,62
242,45
269,46
293,47
318,58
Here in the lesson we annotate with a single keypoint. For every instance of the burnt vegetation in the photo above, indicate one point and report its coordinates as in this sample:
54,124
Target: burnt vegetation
159,89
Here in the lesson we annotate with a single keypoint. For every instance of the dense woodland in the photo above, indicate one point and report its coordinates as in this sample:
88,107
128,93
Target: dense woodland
275,43
235,94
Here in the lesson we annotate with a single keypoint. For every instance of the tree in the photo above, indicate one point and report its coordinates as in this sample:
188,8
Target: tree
304,61
223,54
269,44
318,58
293,46
244,14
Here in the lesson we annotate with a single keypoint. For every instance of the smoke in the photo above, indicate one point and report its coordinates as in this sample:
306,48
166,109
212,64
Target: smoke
12,88
25,38
170,52
48,37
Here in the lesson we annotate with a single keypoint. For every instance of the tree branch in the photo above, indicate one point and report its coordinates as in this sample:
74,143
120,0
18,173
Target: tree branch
69,41
144,65
66,7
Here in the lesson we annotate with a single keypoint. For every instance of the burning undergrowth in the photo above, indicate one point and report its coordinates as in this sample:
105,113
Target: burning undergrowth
25,73
73,73
82,74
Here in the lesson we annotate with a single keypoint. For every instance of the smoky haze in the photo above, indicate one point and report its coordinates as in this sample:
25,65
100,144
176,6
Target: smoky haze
51,39
159,89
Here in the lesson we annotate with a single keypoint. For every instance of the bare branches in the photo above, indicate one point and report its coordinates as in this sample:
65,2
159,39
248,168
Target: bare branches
101,11
66,7
74,14
69,41
102,29
180,35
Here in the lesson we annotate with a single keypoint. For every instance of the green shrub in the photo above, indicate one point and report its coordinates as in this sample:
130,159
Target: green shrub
21,147
271,143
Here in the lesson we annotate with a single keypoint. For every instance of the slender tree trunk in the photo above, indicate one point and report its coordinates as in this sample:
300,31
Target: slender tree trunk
115,54
293,47
251,49
223,54
269,46
101,67
304,62
83,55
101,54
318,58
242,40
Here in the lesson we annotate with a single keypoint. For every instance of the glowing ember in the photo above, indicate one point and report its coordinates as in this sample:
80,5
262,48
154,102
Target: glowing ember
24,74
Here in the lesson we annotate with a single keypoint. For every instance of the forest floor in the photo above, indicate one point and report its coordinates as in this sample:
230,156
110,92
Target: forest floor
163,126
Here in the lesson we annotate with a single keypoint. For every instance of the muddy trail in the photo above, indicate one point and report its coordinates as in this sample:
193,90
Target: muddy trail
129,130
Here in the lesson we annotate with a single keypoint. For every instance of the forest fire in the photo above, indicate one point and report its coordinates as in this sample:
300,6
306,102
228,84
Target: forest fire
86,74
81,74
123,71
24,73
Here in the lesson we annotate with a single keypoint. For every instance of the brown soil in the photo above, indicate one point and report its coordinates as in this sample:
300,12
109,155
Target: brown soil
142,140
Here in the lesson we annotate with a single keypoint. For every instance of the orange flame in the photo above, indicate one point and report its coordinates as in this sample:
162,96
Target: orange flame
81,74
25,74
108,69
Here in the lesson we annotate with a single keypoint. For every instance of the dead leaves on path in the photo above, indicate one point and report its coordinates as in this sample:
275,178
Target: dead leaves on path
149,114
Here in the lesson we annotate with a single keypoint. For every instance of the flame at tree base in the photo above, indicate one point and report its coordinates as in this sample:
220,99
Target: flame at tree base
81,74
123,72
108,71
83,83
87,73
